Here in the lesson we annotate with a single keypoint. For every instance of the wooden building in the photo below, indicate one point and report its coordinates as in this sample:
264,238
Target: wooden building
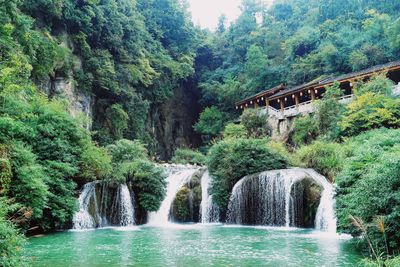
283,101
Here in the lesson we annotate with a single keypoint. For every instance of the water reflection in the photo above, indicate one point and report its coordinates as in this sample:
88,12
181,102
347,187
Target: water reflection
193,245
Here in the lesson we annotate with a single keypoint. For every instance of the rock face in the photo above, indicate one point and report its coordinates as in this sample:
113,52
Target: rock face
80,104
186,206
172,122
280,128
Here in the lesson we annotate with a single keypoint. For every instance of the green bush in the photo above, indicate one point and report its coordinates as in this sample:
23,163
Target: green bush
378,84
255,123
148,182
188,156
391,262
95,163
233,130
132,165
369,189
305,130
370,111
329,112
372,108
230,160
211,123
11,240
29,186
325,158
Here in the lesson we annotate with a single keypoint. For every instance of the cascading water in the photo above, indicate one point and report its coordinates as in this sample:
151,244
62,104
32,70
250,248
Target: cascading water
276,198
209,211
82,219
103,204
177,177
127,209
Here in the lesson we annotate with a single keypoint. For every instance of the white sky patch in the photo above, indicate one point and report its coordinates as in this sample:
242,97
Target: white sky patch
206,12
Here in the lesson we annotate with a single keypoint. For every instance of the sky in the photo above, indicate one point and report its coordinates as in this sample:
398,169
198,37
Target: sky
206,12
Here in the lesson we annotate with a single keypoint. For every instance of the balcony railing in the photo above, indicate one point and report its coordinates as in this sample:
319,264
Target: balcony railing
302,108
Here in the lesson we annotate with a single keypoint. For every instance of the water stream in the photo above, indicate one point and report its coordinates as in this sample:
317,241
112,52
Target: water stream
104,204
209,211
177,177
276,198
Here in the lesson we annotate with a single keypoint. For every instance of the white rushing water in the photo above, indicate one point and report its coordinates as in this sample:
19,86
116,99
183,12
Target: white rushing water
127,209
209,211
177,177
274,198
103,205
82,219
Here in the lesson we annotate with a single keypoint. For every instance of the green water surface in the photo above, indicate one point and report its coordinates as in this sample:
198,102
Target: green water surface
195,245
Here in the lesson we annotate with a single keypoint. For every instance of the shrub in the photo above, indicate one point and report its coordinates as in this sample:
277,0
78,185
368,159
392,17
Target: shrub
188,156
281,149
378,84
148,182
230,160
11,240
211,123
29,186
325,158
233,130
369,186
131,164
329,112
370,111
305,130
373,108
127,150
255,123
95,163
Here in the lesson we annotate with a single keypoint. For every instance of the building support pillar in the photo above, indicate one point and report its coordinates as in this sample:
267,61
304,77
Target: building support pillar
312,95
297,100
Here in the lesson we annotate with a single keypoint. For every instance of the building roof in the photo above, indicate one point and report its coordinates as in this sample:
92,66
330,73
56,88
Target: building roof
321,82
264,93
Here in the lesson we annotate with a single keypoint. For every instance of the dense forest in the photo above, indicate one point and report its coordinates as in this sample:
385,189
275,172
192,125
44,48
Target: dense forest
135,62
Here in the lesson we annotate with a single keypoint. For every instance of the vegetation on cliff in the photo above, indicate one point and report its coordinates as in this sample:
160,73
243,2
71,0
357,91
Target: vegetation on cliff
131,55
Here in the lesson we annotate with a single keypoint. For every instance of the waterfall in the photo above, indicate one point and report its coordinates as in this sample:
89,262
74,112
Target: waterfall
325,219
82,219
177,177
209,211
104,204
276,198
127,210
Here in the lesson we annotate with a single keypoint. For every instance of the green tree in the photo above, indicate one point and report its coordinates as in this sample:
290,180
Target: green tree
211,123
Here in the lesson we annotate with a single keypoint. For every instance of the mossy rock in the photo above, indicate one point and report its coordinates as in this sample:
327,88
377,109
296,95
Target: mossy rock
310,194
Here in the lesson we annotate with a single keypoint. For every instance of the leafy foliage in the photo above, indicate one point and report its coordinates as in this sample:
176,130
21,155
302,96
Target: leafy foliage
232,159
372,108
132,165
325,158
368,187
11,240
211,123
305,130
188,156
255,123
235,131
